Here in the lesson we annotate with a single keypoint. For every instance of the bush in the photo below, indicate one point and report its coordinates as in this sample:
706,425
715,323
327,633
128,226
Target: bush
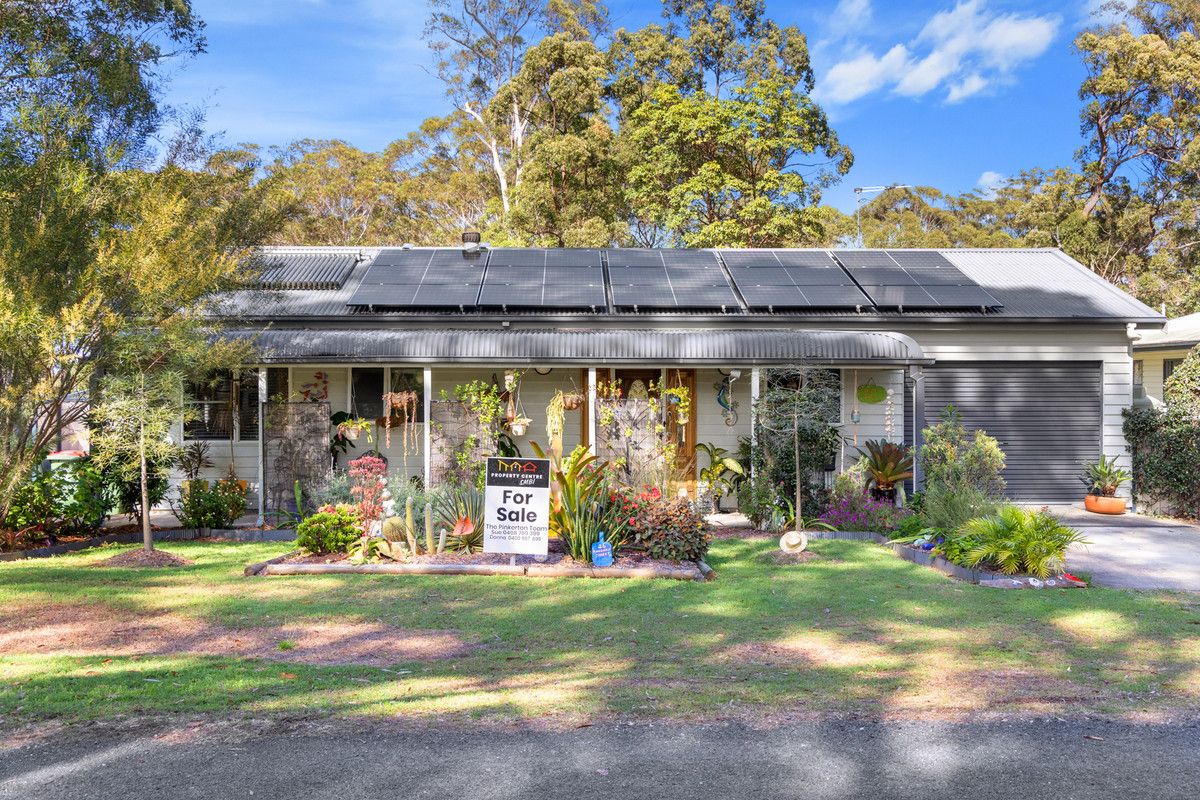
335,491
1164,444
124,481
331,530
951,458
948,509
1014,540
72,500
1181,392
670,529
857,511
218,505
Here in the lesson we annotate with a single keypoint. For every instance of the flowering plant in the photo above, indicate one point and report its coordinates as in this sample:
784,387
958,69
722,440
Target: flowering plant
861,512
368,481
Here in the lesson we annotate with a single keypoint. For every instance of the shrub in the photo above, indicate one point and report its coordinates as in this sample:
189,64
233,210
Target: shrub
670,529
1181,392
586,504
218,505
951,458
72,500
861,512
331,530
1017,540
368,478
1164,444
948,509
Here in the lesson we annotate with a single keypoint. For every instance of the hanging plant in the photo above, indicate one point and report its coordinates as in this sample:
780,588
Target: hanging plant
679,400
405,403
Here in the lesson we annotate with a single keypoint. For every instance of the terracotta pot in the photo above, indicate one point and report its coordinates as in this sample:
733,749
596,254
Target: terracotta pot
1098,504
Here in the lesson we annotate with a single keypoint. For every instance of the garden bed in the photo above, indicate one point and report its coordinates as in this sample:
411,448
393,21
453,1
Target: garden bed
983,577
555,565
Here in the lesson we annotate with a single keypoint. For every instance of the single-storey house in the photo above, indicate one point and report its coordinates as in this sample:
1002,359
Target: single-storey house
1156,353
1028,344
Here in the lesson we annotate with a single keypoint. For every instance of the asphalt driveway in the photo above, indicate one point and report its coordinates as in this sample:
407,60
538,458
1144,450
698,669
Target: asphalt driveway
838,759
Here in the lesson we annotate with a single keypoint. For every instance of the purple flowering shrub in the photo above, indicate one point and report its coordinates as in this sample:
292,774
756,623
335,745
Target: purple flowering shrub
856,511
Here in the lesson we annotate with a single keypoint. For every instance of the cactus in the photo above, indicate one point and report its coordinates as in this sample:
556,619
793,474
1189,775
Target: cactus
393,529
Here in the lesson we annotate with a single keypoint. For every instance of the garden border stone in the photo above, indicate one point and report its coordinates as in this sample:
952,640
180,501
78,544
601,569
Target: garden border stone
681,573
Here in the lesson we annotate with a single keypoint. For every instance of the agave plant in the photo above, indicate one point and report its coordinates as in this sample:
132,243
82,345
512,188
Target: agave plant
1104,477
1020,540
887,463
460,508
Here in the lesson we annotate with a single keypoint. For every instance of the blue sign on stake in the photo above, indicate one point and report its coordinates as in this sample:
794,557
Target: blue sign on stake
602,553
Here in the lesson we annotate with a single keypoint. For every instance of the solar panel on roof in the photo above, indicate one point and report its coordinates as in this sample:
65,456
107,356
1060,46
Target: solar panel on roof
643,296
900,296
916,279
399,257
835,296
573,258
805,258
750,259
631,257
446,295
706,296
818,276
767,297
574,295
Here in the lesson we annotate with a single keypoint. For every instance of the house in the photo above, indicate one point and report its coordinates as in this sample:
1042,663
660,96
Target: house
1026,343
1156,353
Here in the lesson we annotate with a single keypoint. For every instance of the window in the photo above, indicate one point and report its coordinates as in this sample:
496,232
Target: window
1139,374
1169,365
248,400
366,392
210,409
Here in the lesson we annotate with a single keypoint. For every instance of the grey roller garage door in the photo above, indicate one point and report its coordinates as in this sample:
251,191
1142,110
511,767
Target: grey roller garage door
1047,418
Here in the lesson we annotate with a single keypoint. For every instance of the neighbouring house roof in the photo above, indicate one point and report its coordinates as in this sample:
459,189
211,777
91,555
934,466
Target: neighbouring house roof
303,284
590,347
1180,333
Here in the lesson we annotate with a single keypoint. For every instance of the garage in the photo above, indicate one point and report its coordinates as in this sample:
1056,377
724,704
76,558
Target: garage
1046,416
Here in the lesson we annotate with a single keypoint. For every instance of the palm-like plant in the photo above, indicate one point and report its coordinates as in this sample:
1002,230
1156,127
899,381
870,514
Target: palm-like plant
1020,540
722,471
1104,477
887,463
460,509
584,505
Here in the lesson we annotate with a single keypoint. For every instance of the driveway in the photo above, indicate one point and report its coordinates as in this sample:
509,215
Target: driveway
1134,552
832,759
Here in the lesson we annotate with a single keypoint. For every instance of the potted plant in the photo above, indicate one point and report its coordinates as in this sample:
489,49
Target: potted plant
886,464
1103,479
717,478
572,402
518,426
352,428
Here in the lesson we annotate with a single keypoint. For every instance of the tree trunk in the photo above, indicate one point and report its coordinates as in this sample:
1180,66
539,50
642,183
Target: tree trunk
796,456
147,536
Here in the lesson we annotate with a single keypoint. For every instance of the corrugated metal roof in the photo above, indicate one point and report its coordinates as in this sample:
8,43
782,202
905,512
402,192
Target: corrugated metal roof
1178,332
1033,285
593,347
304,271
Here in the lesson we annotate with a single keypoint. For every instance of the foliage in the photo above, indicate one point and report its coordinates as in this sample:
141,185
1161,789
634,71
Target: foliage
482,401
218,505
1164,444
587,503
1017,540
861,512
1104,477
795,420
633,434
459,509
667,528
71,499
948,509
331,530
887,463
193,459
335,490
951,458
368,480
1181,392
722,472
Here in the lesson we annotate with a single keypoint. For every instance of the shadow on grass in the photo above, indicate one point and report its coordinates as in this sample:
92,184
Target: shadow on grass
855,629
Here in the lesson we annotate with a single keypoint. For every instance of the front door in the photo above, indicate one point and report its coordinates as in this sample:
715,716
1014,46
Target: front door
634,382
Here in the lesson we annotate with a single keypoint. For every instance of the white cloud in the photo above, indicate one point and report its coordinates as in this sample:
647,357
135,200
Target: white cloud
962,50
860,76
850,15
989,182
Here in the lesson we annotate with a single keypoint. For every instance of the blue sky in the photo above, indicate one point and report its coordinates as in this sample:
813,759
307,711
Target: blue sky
950,93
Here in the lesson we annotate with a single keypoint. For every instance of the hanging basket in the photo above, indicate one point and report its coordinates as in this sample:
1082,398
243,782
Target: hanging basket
871,393
572,402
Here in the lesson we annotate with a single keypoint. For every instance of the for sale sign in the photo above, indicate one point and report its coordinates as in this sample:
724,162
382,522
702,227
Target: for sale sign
517,506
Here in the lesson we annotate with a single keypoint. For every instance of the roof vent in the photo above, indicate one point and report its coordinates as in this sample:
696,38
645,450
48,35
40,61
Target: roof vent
470,240
407,246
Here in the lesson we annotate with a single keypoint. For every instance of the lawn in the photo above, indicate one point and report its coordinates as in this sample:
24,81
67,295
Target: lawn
854,630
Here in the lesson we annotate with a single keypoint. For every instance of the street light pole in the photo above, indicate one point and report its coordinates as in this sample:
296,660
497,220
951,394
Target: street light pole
859,191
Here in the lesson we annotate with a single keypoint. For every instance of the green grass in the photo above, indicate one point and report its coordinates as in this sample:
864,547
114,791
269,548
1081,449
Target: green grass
855,630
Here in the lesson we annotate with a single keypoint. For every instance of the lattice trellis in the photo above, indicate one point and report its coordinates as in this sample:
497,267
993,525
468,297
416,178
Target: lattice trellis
295,448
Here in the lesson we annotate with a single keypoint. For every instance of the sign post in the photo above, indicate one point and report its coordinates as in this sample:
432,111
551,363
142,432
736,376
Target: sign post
516,501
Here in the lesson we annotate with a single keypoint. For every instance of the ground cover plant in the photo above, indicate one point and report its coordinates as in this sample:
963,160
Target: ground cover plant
853,629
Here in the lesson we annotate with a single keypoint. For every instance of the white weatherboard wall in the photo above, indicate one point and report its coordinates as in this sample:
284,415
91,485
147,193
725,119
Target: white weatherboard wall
1152,369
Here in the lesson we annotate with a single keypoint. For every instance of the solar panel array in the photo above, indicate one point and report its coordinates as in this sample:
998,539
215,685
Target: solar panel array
914,279
790,279
669,279
520,277
446,278
657,280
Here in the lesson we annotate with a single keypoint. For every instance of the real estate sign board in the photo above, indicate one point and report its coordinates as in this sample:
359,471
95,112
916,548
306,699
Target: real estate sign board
517,506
